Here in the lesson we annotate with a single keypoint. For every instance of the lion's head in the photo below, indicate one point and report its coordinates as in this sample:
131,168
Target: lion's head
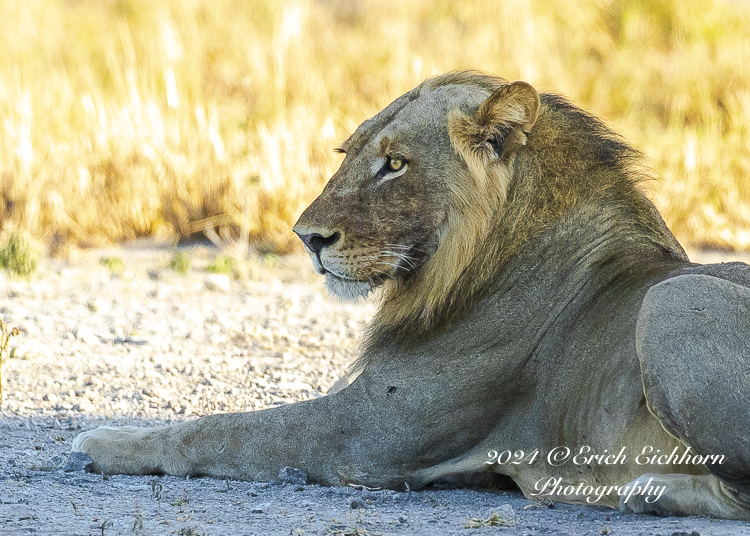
448,182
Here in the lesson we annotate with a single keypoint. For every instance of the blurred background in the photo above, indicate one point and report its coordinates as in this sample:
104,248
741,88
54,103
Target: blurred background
132,118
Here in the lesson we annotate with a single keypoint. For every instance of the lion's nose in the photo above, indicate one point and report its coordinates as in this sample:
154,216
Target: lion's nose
315,242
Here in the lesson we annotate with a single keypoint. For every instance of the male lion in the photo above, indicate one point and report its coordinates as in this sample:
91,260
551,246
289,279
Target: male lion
536,313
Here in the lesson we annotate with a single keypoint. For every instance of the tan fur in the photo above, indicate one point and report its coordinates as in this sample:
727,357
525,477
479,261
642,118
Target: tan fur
477,196
516,256
453,278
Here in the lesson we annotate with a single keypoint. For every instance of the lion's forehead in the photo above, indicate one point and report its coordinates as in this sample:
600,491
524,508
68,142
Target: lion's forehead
418,117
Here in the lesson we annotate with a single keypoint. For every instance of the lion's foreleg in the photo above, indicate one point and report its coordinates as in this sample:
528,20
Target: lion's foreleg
246,446
338,439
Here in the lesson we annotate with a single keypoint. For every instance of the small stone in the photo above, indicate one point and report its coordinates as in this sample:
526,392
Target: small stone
290,475
261,508
218,283
97,305
77,461
401,519
85,405
86,335
295,386
97,382
138,341
507,514
357,504
29,329
50,397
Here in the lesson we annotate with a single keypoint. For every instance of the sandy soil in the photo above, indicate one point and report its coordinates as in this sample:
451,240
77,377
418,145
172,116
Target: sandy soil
149,346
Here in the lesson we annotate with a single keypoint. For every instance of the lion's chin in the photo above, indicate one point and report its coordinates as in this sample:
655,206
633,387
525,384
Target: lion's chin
347,289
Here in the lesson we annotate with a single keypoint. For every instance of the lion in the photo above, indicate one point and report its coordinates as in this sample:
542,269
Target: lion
538,320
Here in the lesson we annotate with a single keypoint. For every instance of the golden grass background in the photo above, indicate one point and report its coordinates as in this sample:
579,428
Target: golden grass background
130,118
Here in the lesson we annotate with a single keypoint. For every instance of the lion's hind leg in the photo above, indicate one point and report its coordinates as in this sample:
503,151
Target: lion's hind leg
693,342
683,495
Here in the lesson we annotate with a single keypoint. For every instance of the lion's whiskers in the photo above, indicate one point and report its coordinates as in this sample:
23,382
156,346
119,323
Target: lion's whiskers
408,248
409,260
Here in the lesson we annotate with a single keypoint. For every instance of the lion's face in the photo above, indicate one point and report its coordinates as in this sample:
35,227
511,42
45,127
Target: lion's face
387,210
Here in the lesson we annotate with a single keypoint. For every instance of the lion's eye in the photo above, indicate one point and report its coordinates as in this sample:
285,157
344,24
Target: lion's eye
395,164
394,167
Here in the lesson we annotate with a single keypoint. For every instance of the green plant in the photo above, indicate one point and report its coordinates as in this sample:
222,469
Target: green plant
5,336
183,500
105,525
19,256
138,528
180,262
494,520
222,264
114,264
156,488
270,260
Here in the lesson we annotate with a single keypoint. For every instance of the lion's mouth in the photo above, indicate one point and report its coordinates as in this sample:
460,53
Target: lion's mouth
347,287
340,277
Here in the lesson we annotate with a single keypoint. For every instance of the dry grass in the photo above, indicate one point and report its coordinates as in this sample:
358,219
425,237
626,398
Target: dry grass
5,335
128,118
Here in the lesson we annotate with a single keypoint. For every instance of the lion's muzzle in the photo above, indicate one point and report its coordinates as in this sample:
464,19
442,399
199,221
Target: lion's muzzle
315,241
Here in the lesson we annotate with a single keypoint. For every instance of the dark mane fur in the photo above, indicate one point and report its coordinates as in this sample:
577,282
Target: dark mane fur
572,161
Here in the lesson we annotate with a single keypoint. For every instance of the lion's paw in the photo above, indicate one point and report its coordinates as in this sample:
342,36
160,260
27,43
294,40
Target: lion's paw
101,433
685,495
114,449
646,495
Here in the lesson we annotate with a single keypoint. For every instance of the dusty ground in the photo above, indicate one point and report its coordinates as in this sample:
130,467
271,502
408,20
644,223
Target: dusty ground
150,346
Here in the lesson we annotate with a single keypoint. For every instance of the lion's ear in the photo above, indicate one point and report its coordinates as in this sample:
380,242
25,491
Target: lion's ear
513,105
507,115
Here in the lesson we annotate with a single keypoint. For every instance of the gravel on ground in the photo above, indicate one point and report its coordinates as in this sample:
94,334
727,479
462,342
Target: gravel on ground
143,345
